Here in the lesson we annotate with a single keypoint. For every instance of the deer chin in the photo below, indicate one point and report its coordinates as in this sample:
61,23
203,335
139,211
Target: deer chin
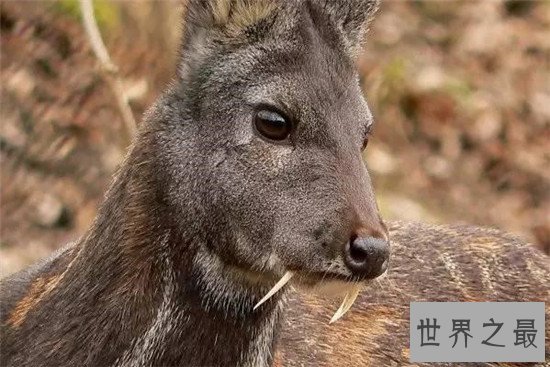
330,288
347,290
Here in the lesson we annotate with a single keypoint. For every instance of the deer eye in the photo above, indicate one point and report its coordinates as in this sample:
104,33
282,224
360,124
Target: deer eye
272,125
366,138
365,142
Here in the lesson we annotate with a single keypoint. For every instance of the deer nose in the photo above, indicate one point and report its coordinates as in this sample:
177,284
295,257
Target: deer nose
367,257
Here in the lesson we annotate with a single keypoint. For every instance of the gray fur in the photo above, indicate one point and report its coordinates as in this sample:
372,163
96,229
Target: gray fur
205,215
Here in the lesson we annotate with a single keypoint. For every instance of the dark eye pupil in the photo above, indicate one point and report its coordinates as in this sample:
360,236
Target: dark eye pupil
365,142
272,125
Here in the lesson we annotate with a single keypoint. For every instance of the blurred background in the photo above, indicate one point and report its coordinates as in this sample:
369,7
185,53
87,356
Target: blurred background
460,91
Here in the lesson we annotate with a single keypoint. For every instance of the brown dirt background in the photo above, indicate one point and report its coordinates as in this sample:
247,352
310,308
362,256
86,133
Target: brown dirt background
460,91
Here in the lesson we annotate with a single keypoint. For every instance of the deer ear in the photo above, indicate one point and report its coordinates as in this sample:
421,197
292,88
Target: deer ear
225,17
353,17
222,22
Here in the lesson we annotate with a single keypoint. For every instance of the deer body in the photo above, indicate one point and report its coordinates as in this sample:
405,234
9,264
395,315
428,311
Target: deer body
249,166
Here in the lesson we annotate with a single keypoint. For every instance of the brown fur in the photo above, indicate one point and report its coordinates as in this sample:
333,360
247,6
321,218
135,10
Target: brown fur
242,13
39,289
232,17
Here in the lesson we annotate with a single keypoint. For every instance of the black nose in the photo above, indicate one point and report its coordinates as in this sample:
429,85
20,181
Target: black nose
367,257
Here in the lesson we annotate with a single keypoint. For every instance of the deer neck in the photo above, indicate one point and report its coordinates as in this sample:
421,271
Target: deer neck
183,303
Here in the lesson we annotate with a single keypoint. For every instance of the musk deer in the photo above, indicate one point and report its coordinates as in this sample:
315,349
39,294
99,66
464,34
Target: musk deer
248,170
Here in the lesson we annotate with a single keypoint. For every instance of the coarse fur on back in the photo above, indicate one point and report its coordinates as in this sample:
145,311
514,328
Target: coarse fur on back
208,211
430,263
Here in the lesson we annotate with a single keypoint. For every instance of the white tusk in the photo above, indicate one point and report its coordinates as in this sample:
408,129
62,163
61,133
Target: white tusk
280,284
348,301
339,312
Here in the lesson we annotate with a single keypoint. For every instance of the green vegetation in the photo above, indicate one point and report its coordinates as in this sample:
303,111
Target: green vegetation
106,12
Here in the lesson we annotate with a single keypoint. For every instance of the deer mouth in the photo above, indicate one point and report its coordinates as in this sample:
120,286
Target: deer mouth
318,282
314,278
